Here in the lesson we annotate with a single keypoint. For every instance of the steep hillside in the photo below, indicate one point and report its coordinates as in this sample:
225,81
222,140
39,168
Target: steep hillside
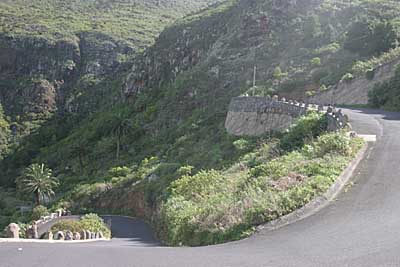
58,57
47,45
165,117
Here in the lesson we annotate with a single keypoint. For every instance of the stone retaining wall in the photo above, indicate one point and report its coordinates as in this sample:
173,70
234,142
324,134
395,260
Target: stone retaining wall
254,116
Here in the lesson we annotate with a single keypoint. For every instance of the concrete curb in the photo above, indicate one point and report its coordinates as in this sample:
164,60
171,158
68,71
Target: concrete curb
44,241
319,202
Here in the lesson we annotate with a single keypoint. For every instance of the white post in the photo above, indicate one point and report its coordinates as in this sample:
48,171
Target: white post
254,76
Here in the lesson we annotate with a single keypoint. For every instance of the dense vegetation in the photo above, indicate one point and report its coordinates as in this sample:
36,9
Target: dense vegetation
386,95
173,124
215,206
4,133
137,22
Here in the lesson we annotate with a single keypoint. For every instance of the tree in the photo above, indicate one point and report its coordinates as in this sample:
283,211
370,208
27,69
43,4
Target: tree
368,38
39,180
80,150
120,127
4,133
277,73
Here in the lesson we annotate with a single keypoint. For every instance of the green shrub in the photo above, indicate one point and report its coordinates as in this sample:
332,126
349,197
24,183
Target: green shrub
332,143
304,130
94,223
241,144
185,170
362,67
23,227
310,93
273,169
119,171
315,62
38,212
91,222
347,77
387,94
67,225
323,88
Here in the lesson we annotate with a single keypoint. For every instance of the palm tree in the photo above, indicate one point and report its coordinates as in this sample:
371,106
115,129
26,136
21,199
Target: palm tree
39,180
120,127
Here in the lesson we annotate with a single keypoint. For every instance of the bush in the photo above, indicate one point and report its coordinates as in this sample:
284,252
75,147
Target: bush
241,144
336,143
387,94
315,62
273,169
323,88
67,225
38,212
310,93
94,223
304,130
119,171
91,222
347,77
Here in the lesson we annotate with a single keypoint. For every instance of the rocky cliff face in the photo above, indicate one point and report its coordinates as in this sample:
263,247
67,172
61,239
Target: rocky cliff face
28,64
32,71
75,71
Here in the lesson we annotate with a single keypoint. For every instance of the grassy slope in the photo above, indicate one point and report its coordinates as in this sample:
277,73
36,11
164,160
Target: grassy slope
217,206
137,22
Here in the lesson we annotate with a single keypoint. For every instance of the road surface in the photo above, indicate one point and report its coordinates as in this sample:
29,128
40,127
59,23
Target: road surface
361,228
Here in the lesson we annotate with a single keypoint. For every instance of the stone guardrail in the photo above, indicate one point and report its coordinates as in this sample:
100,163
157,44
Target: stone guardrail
13,229
41,228
273,105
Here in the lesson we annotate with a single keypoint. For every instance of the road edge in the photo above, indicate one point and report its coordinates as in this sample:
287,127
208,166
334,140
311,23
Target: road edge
320,202
44,241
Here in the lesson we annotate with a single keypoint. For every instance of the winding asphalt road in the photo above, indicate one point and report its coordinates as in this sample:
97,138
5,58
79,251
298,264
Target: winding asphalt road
360,228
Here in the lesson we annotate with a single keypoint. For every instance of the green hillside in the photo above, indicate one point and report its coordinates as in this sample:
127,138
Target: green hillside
137,22
161,114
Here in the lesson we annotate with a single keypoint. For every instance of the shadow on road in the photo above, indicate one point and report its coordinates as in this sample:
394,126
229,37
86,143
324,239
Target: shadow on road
386,115
129,231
